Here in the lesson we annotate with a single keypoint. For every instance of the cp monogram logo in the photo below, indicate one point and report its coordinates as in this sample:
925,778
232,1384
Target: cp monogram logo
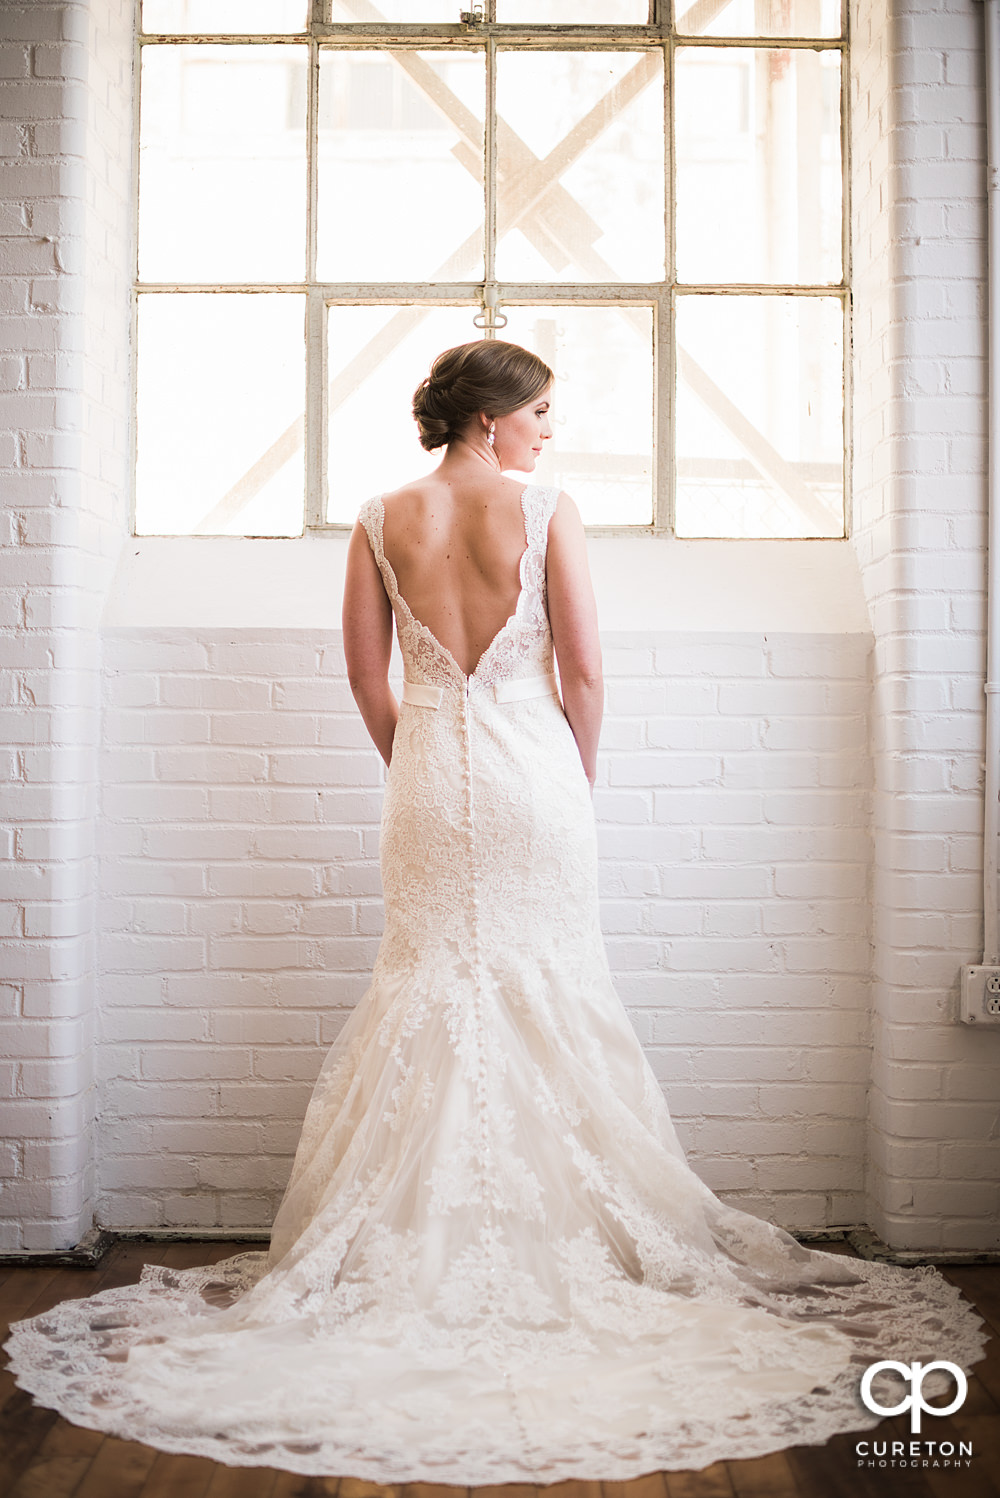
914,1373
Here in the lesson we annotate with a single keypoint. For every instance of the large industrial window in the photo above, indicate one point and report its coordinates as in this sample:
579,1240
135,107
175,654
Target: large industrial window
330,194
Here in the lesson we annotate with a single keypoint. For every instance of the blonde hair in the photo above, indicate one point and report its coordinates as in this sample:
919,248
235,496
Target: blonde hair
490,376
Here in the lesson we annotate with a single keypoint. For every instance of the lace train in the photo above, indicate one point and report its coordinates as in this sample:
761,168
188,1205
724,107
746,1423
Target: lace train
640,1380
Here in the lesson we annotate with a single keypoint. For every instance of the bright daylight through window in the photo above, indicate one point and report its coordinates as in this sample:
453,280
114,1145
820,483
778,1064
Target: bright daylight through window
330,194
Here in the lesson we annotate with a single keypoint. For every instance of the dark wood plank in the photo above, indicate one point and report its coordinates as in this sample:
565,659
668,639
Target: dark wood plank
359,1487
649,1485
979,1283
21,1289
66,1443
573,1488
973,1481
433,1490
763,1477
291,1485
832,1470
123,1265
242,1482
72,1440
196,1255
60,1463
176,1476
953,1482
983,1397
984,1433
53,1477
119,1470
508,1490
23,1427
32,1291
710,1482
8,1388
65,1284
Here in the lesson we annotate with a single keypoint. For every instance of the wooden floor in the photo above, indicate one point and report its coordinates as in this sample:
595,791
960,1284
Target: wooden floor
42,1456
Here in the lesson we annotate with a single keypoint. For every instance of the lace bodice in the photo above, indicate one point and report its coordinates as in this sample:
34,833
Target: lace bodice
521,648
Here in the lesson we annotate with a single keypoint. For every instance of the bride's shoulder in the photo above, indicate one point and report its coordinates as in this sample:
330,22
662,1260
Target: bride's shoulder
387,505
407,507
564,514
410,496
404,492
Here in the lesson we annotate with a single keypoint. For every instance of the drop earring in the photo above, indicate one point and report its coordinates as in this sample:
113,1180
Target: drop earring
491,435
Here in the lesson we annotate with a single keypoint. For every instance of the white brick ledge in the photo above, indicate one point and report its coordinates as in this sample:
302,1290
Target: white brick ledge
642,583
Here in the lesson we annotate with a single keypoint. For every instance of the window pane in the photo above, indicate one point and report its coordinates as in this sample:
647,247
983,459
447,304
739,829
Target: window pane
758,165
758,17
580,161
222,175
760,446
574,12
241,17
412,11
602,406
377,358
221,391
401,165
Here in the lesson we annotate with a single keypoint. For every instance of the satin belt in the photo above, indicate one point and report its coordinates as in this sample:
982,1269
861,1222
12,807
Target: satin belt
420,694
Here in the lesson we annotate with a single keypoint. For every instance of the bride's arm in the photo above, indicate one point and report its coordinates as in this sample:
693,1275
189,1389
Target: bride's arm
367,621
573,617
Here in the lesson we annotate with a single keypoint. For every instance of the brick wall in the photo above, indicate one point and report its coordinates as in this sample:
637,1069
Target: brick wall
241,906
920,536
64,230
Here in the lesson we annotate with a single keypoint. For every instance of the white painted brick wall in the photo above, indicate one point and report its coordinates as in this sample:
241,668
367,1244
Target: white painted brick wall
241,907
65,212
919,532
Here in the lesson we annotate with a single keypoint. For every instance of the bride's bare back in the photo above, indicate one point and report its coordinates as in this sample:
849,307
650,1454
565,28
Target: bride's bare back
456,550
455,538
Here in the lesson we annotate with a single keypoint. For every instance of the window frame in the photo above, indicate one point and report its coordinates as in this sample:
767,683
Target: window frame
479,31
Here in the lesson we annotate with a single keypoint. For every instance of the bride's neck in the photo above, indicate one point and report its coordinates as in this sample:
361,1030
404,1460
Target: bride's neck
475,455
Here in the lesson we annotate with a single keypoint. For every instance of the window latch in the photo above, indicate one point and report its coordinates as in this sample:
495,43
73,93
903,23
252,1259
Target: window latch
473,17
491,318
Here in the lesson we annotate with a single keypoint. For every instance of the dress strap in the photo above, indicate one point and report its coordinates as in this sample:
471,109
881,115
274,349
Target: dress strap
371,515
539,506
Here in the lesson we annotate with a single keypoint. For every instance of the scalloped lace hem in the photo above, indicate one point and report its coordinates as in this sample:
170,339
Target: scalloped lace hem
590,1420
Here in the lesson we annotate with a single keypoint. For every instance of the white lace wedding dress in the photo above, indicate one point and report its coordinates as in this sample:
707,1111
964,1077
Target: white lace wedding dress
493,1262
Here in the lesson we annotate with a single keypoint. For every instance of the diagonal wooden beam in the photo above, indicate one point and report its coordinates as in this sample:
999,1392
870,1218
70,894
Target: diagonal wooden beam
701,14
764,457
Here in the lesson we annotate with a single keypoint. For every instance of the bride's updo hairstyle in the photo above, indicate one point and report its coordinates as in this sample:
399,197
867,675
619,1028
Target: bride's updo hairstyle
487,375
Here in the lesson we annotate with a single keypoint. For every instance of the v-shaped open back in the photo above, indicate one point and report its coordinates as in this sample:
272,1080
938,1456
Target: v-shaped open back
426,658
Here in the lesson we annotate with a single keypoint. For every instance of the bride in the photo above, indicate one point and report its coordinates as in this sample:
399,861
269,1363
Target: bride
492,1262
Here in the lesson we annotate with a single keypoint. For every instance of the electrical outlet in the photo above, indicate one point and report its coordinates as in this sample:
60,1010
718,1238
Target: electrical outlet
981,995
